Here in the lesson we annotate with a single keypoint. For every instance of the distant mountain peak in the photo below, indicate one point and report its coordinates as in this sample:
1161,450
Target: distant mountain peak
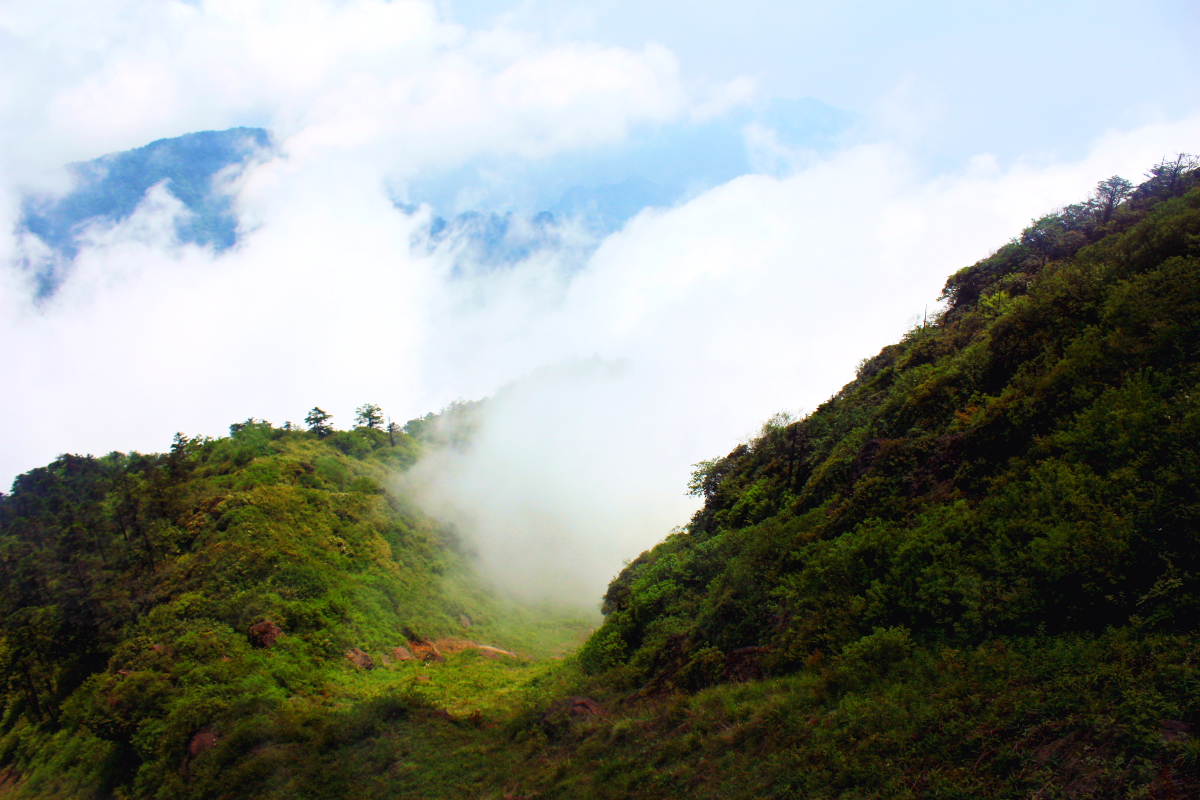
108,189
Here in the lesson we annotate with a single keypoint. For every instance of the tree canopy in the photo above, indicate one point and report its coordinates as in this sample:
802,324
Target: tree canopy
318,422
369,416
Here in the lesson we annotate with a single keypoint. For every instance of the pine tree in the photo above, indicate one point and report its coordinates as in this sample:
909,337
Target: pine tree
369,416
318,422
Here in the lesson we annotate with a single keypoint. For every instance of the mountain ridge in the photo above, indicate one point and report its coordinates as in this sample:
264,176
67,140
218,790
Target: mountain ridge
970,573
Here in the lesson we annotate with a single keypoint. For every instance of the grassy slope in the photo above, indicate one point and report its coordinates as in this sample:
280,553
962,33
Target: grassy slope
130,586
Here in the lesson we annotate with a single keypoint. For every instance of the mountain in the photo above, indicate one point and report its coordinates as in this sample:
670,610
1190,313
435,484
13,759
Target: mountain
248,599
1021,464
570,202
108,189
971,573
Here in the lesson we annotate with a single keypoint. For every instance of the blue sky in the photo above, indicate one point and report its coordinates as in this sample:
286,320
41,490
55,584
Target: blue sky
1010,78
772,254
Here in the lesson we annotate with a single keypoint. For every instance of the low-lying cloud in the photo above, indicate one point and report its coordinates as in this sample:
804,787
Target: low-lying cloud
611,373
570,473
689,328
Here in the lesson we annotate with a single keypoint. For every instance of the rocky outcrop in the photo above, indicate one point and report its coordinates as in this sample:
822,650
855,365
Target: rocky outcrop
455,644
359,658
421,649
425,650
204,740
494,652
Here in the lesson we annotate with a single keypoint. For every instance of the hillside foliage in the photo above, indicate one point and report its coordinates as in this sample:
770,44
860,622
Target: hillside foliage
133,586
1017,476
1025,464
970,573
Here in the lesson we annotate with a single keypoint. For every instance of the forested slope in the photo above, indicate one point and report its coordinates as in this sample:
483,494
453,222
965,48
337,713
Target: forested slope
1003,506
222,619
1025,464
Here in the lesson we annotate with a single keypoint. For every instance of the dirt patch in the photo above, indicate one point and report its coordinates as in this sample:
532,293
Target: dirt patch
425,650
457,644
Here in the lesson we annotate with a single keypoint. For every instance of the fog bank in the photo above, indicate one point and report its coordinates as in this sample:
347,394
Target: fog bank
613,365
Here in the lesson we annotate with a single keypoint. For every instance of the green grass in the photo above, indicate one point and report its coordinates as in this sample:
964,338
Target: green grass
970,574
1057,717
131,584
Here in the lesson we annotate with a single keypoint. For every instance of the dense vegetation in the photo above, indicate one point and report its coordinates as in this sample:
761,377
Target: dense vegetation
240,597
971,573
1012,487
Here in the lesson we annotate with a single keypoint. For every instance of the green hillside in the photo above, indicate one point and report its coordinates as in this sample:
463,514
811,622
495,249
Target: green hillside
221,620
1024,465
971,573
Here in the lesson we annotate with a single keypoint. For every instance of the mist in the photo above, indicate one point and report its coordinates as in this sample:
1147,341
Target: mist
611,368
685,332
569,474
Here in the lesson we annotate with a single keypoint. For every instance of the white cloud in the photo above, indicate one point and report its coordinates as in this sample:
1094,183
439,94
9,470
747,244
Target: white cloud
757,296
681,333
362,74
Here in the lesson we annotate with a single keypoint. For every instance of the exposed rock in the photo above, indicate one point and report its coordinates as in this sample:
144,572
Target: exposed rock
425,650
422,679
264,634
359,658
464,620
457,644
421,648
201,742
